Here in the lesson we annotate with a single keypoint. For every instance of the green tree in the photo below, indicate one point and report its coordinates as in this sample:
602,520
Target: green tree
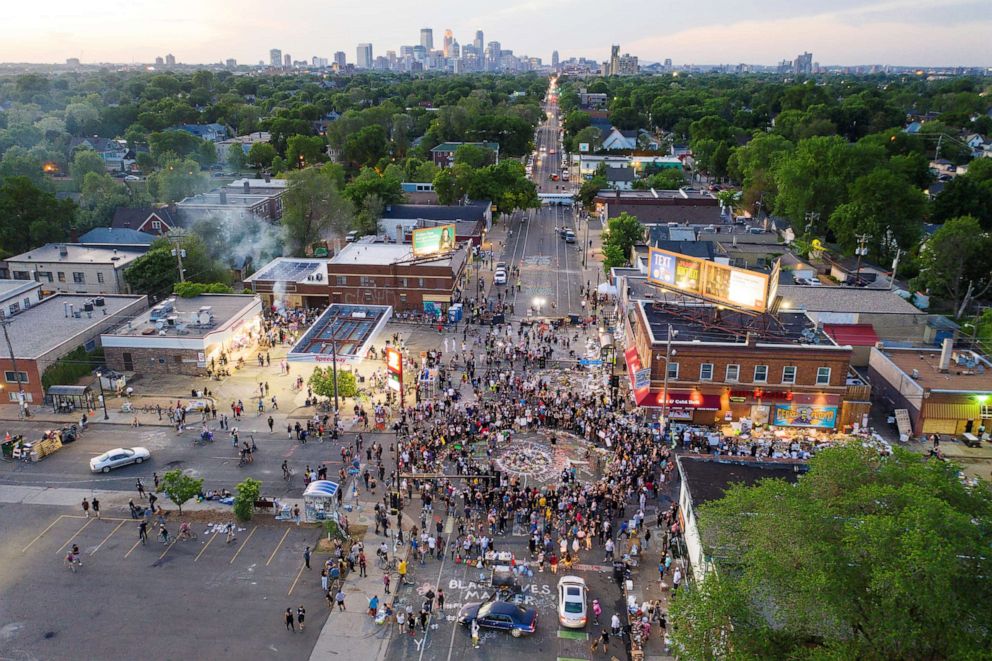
305,150
366,146
885,207
156,272
866,557
245,496
30,217
668,179
590,135
473,156
261,154
322,382
446,186
313,208
85,161
965,196
621,234
590,189
387,187
194,289
954,263
101,195
180,487
177,180
236,157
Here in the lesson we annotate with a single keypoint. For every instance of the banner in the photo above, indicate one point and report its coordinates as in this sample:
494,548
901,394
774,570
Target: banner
433,240
708,280
805,415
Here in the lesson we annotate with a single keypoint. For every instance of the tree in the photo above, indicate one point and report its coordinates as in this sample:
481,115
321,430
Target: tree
313,207
245,497
236,157
305,150
387,187
366,146
886,208
85,161
369,214
261,154
590,135
322,382
965,196
473,156
100,197
178,179
667,179
865,557
30,217
180,487
590,189
156,272
621,234
446,186
194,289
954,262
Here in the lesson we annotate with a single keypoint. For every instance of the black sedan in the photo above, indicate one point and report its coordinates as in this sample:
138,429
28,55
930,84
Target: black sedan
504,615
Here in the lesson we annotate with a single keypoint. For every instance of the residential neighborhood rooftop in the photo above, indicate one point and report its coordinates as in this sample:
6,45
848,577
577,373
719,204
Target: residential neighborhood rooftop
75,253
844,299
968,371
185,314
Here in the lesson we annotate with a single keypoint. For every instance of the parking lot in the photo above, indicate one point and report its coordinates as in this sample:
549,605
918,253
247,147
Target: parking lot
207,598
447,640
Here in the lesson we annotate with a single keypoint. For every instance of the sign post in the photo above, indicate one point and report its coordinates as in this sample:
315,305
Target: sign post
394,369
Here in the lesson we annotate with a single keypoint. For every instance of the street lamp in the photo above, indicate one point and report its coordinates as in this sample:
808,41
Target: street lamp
538,304
664,389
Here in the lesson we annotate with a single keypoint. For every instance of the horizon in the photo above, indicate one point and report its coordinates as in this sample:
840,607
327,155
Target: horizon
901,33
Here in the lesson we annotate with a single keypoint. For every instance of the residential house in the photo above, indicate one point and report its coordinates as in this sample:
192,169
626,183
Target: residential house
443,155
620,178
209,132
246,142
113,152
115,237
617,139
261,198
150,220
75,268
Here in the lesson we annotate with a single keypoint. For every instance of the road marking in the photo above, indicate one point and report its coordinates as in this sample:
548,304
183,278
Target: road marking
569,658
42,533
167,549
74,536
298,574
573,635
240,548
278,546
133,547
123,521
204,547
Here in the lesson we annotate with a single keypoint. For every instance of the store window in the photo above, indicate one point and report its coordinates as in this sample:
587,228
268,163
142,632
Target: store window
706,372
789,374
761,373
673,370
823,376
733,373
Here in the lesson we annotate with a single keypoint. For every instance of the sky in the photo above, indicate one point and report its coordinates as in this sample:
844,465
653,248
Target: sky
844,32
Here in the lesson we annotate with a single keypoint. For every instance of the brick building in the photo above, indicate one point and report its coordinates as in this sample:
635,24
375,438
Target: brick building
388,274
661,207
291,282
726,365
183,335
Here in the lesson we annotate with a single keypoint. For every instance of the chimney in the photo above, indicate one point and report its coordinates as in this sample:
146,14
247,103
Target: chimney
945,354
63,250
223,197
268,177
247,187
74,234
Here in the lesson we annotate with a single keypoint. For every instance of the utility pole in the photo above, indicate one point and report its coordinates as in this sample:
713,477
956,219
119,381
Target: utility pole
178,252
895,266
4,321
664,388
334,370
861,251
812,217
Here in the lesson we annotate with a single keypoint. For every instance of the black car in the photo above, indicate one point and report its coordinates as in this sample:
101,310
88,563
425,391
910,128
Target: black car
504,615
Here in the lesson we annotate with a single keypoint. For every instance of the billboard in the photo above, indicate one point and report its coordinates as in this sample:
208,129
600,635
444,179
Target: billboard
715,282
805,415
433,240
583,146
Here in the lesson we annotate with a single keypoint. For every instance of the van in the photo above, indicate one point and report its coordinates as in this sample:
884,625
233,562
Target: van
351,236
755,230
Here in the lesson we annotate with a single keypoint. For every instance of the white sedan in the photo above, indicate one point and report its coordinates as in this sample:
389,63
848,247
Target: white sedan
118,457
572,602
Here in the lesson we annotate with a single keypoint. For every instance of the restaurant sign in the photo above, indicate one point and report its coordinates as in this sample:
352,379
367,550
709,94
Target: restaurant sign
805,415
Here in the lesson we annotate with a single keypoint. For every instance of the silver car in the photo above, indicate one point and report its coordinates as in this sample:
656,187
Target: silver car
572,592
118,457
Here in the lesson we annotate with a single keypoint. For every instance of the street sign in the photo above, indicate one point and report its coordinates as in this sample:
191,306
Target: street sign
591,362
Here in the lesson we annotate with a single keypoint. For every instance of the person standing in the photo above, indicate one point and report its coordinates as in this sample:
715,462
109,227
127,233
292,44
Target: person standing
143,532
96,507
155,478
323,578
230,533
440,600
362,564
289,619
385,582
141,488
605,638
339,598
475,634
306,557
86,508
301,614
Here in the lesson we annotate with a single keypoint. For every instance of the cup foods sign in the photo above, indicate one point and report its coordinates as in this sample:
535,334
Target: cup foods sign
709,280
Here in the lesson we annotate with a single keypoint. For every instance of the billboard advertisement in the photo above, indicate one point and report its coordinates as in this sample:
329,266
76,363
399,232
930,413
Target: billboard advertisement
709,280
805,415
433,240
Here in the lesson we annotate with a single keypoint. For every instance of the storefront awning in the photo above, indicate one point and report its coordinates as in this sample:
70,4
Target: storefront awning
947,411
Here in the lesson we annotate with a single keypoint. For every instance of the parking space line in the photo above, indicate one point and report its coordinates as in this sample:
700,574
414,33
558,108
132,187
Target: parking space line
278,546
69,541
42,533
568,658
116,528
573,635
133,547
204,547
298,574
243,545
167,549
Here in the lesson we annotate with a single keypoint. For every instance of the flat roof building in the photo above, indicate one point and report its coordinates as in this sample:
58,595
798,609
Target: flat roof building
56,326
341,332
183,335
75,268
291,282
257,197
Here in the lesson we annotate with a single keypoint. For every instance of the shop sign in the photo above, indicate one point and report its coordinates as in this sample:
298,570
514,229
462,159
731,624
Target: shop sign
762,394
680,414
691,400
642,378
738,400
805,415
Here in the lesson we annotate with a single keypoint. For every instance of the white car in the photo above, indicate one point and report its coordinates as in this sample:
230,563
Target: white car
572,602
118,457
499,278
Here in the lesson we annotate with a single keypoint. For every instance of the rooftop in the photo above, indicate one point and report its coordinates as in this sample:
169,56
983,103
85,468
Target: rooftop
473,211
116,236
10,288
381,254
709,479
259,184
709,323
292,269
844,299
74,253
453,146
968,372
186,318
134,217
343,330
674,211
59,324
652,195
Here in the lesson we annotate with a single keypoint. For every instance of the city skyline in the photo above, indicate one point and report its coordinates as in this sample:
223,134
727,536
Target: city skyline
894,32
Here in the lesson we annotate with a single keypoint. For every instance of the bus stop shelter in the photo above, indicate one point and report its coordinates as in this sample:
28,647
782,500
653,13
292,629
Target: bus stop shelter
320,500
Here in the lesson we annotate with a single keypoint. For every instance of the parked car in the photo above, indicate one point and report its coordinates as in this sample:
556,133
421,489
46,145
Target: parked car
499,278
118,457
500,266
572,602
503,615
569,236
351,236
